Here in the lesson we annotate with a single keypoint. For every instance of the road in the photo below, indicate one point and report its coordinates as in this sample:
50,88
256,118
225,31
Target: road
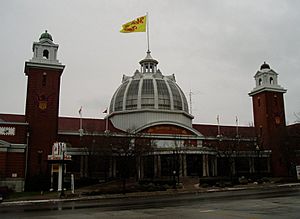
260,203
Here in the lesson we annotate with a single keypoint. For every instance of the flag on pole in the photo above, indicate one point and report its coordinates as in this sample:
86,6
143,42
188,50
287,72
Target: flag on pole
137,25
237,126
80,111
219,129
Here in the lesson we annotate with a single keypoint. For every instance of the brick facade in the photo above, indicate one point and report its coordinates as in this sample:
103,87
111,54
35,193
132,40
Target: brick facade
42,105
270,127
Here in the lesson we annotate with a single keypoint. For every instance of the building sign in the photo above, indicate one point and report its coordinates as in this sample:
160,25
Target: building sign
59,152
55,168
164,129
7,130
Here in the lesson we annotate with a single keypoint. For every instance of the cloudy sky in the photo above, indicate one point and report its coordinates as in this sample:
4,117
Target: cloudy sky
214,48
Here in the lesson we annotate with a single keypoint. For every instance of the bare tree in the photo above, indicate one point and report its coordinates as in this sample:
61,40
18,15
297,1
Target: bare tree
129,150
297,115
228,149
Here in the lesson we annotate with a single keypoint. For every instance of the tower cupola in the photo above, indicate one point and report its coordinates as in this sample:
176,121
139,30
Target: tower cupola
45,51
266,79
265,66
46,35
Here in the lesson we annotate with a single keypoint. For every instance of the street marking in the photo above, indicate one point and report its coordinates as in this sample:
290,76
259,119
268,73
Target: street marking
206,211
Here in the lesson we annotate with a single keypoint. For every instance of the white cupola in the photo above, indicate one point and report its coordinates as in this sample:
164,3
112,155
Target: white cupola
45,51
266,79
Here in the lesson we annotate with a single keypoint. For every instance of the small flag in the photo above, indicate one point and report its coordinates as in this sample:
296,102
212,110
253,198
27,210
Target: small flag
236,120
218,119
80,111
137,25
105,111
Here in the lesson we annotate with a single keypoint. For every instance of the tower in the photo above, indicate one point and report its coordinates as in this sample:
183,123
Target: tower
269,117
42,103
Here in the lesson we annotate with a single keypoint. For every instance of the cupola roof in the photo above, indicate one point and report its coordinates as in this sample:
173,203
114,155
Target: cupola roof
265,66
148,59
46,35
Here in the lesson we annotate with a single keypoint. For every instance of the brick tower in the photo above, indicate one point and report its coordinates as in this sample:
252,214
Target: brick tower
42,104
269,117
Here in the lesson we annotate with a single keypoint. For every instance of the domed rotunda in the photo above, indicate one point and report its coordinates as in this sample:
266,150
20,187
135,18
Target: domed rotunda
149,98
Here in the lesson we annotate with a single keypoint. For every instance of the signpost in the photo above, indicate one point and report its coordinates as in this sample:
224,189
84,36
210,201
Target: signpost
298,172
59,157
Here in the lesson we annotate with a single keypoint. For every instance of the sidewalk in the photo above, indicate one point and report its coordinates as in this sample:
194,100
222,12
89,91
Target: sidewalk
188,188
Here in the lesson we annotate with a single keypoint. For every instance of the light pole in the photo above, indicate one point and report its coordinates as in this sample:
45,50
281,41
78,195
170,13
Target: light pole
258,161
62,192
174,180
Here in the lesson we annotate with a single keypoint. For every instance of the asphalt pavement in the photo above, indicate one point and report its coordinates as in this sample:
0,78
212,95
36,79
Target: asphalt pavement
257,201
188,188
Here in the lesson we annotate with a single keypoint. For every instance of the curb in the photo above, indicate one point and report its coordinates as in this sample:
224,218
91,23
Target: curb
144,194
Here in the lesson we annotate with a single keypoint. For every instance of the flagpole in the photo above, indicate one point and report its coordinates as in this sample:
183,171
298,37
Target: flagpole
80,123
106,120
106,124
237,126
147,24
218,121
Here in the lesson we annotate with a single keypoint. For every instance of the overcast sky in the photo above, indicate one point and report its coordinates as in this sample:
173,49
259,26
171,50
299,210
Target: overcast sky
213,47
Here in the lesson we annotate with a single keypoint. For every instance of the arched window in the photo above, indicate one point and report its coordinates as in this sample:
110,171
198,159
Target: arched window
271,80
45,54
259,81
151,68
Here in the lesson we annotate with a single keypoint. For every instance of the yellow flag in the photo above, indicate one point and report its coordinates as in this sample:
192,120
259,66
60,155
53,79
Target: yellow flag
137,25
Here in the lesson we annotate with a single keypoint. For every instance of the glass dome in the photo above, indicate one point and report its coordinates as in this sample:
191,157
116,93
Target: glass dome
148,89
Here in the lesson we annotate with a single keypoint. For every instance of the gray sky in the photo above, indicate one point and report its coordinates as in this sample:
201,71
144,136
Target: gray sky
214,48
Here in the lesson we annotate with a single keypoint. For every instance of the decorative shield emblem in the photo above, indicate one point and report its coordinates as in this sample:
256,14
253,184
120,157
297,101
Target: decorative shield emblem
43,104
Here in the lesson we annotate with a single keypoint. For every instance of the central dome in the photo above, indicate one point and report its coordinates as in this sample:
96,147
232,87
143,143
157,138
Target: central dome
148,89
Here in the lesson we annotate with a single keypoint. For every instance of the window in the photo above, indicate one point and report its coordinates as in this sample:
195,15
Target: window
147,100
260,131
163,95
271,80
259,81
44,80
119,97
176,96
275,100
132,95
45,54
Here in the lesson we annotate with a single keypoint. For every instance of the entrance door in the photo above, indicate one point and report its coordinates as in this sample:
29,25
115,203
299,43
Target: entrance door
194,164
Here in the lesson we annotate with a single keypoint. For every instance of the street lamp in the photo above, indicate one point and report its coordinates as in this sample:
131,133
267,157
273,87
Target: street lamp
63,150
258,166
174,180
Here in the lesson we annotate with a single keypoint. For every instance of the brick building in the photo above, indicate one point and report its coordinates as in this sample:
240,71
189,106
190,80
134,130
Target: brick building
148,132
